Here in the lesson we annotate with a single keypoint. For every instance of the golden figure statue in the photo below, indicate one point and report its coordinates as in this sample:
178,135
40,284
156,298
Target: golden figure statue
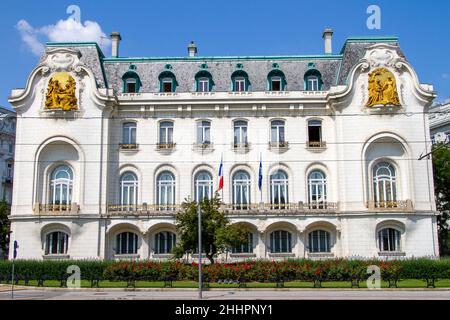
61,92
382,88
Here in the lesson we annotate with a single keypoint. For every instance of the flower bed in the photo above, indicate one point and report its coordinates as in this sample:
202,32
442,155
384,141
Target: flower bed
317,272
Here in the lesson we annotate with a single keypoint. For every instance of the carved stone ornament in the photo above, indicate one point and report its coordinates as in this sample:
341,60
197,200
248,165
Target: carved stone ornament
382,88
61,59
61,93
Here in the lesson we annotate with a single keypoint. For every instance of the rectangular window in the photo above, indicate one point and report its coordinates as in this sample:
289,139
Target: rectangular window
166,133
167,85
240,133
131,86
239,84
276,84
203,85
313,83
314,133
203,132
129,133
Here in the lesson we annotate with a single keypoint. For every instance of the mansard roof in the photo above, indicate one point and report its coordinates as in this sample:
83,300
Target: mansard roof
334,68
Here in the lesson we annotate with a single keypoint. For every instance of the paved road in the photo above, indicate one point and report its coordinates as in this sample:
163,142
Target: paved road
249,294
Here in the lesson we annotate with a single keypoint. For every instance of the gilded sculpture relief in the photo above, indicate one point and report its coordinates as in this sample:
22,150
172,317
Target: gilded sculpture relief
382,88
61,92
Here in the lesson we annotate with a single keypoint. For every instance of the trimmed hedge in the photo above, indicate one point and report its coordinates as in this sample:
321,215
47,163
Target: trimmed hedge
315,271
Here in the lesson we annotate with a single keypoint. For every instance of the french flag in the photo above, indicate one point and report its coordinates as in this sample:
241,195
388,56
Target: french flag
220,175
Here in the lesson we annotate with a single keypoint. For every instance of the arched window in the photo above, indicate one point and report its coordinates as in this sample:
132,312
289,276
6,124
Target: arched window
313,80
128,190
246,247
131,82
317,189
319,241
56,243
61,183
239,80
167,82
389,239
279,190
164,242
203,81
276,80
126,243
203,186
240,133
166,133
277,131
241,190
203,132
129,133
384,185
166,191
280,242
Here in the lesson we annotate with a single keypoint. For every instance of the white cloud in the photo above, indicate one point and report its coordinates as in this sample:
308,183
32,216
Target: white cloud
68,30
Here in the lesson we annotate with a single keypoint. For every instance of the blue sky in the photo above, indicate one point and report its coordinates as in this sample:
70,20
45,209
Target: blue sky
232,27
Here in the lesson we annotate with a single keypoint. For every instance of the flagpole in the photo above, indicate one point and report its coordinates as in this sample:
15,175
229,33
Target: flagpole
260,172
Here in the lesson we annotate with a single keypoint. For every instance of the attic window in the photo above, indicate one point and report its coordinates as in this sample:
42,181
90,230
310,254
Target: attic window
167,85
131,85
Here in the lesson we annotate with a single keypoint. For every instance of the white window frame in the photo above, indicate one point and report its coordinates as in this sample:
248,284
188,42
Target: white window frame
166,130
48,248
240,187
129,130
65,185
129,189
240,132
397,239
163,186
317,187
168,244
203,186
203,132
203,84
279,186
315,238
384,182
134,241
312,83
278,126
278,236
239,84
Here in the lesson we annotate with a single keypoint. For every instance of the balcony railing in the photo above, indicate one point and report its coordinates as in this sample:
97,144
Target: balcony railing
231,209
165,145
143,209
240,147
56,209
278,145
316,144
128,146
397,205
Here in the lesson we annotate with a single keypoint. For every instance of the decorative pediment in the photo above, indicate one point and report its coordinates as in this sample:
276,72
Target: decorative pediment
61,59
382,55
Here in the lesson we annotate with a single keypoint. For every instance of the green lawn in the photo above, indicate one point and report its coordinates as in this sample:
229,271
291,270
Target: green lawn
445,283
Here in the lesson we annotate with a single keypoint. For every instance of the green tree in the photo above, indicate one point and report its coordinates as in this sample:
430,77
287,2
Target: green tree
218,234
441,173
4,228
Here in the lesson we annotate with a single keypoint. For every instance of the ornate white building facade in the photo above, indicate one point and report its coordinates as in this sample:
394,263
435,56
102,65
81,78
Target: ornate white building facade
7,145
108,148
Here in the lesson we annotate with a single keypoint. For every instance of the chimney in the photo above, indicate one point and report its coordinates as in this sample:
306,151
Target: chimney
192,49
115,41
327,36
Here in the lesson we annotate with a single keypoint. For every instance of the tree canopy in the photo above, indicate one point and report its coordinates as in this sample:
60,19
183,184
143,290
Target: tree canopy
441,173
218,234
